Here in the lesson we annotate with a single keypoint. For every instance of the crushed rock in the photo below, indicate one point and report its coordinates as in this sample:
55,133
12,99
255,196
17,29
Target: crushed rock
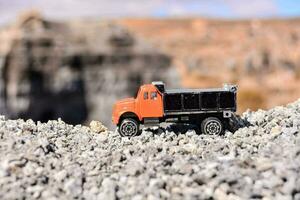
55,160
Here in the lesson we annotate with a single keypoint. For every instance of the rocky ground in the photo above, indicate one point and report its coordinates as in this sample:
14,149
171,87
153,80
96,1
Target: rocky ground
55,160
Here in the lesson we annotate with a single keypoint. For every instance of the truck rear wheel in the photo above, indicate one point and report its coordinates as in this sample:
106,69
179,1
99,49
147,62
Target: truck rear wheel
212,126
129,127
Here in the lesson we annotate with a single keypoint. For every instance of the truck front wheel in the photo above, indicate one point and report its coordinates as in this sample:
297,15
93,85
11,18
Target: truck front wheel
212,126
129,127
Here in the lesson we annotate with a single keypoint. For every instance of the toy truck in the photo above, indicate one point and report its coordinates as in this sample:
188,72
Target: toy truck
210,109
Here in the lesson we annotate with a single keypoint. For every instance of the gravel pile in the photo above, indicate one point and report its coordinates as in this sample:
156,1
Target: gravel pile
56,160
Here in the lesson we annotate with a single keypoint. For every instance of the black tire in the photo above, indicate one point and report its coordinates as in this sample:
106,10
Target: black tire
129,127
233,125
235,122
212,126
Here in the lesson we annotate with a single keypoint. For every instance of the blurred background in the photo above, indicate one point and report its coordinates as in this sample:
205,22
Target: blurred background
73,59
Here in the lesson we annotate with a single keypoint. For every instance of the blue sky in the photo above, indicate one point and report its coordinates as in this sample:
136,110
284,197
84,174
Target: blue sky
289,7
236,9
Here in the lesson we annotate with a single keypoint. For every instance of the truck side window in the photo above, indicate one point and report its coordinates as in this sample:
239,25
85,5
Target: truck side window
153,95
145,95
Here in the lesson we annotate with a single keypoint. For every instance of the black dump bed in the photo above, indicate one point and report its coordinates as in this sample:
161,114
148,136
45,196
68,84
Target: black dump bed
200,100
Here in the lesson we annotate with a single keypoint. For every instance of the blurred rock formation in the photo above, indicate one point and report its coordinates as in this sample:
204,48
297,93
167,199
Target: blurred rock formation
261,56
74,70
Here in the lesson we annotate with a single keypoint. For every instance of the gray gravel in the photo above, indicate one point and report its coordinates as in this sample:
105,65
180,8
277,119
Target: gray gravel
55,160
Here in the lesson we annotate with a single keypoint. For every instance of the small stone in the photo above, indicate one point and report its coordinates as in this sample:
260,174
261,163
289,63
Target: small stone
190,148
220,194
135,167
73,187
108,190
97,127
290,131
60,176
102,137
276,131
297,196
138,197
263,164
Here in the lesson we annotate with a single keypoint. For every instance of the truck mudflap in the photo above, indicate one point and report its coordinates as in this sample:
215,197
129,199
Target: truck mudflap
235,122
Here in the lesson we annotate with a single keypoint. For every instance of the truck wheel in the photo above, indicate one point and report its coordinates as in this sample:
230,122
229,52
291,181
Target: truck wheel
129,128
212,126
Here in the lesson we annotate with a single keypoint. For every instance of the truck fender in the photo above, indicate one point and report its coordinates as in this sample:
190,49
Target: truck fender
128,115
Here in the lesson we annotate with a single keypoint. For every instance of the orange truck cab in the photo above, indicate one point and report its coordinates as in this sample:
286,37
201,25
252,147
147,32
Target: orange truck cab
212,109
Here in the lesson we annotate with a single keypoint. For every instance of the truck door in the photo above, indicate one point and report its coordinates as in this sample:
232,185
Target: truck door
151,103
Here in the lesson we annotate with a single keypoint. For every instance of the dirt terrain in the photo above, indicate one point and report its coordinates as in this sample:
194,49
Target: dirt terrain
261,56
55,160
